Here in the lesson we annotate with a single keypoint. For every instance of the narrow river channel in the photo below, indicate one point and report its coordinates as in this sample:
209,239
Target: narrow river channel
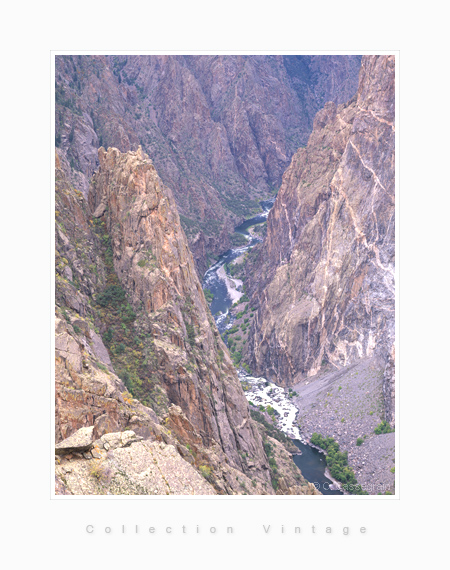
226,291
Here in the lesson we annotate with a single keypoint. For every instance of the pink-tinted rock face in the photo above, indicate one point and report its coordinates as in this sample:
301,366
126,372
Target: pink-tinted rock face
220,130
169,349
323,279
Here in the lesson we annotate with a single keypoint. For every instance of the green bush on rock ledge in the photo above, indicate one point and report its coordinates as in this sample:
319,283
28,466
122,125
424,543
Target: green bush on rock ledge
206,472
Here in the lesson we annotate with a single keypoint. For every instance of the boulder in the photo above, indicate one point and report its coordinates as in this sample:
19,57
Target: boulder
81,440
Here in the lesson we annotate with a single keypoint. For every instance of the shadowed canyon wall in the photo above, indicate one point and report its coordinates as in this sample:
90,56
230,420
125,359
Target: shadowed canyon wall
220,130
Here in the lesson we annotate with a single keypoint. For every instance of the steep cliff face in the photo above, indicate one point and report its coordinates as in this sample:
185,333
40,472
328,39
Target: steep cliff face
220,129
319,79
323,279
154,265
131,320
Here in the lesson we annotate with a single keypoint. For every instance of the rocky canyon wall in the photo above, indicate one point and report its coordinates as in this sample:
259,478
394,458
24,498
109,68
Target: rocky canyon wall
136,346
220,130
323,279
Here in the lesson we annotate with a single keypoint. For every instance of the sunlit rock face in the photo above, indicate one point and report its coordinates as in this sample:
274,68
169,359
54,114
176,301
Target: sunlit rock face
127,240
323,279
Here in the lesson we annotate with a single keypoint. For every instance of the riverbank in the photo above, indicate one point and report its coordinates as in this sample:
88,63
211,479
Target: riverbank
336,485
275,403
234,286
347,405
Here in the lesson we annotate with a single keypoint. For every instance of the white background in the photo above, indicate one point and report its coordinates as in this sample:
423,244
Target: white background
38,531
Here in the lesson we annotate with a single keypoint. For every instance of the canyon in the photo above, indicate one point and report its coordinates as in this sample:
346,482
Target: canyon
220,130
158,159
137,351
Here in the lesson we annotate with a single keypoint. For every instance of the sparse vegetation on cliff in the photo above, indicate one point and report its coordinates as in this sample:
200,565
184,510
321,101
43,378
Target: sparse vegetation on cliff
208,296
131,349
271,429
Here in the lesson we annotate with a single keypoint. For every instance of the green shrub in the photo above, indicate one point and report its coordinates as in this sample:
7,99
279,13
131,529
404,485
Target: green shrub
267,449
237,357
206,472
272,412
383,427
113,295
359,441
191,334
337,463
208,295
108,336
128,315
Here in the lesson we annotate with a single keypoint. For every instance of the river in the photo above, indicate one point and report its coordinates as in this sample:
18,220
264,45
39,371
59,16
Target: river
215,279
226,290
